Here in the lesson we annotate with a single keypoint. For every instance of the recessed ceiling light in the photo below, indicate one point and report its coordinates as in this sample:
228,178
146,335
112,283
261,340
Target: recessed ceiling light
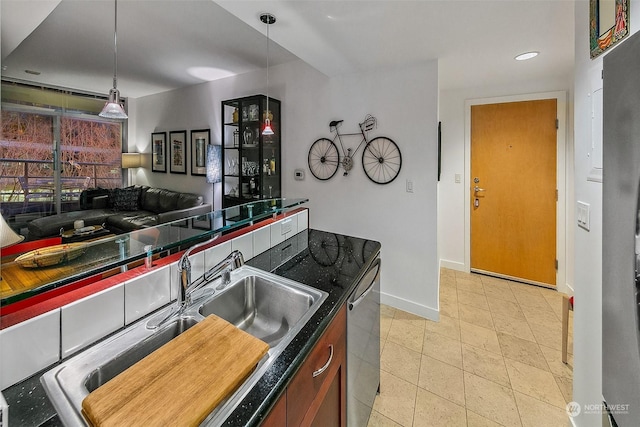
526,55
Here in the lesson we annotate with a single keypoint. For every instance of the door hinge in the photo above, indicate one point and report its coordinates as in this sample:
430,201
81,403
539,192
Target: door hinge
556,265
557,124
556,194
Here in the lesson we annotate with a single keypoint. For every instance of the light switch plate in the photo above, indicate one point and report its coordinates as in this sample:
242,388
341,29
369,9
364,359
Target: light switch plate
583,213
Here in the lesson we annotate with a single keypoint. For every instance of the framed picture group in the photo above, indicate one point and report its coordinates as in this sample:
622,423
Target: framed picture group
173,153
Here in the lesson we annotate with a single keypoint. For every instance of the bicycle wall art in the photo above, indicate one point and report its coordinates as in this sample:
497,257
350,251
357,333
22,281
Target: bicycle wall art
381,157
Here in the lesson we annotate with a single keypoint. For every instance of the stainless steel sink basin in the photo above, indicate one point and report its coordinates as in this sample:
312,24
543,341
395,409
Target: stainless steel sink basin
138,352
267,306
264,308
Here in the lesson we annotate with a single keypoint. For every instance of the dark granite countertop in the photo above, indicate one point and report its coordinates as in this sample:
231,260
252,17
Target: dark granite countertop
327,261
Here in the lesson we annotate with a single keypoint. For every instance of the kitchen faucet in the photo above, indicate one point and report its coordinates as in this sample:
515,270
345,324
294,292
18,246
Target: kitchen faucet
187,286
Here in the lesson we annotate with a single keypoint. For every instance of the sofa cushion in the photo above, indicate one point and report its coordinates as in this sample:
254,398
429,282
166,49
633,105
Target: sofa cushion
88,196
129,221
126,199
159,200
188,200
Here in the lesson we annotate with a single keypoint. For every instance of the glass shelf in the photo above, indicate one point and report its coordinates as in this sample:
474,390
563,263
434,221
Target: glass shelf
115,251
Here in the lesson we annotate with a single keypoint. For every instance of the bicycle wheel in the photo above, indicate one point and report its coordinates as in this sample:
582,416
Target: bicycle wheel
381,160
323,159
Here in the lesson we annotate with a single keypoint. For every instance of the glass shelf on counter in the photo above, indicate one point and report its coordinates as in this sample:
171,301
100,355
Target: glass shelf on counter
116,251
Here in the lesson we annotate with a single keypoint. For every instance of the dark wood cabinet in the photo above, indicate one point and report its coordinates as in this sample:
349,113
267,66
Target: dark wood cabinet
316,395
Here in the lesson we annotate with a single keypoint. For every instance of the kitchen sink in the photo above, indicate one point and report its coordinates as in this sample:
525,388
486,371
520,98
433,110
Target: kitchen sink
269,307
138,352
260,306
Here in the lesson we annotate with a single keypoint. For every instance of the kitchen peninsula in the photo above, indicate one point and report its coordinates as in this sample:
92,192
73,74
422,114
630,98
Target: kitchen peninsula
326,261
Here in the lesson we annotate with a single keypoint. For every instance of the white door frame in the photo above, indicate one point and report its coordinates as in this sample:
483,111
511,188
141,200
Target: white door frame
561,179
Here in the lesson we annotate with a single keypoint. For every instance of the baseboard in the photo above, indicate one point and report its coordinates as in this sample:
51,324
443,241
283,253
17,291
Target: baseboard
409,306
453,265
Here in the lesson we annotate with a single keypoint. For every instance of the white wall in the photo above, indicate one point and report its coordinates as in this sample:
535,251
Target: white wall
405,103
587,369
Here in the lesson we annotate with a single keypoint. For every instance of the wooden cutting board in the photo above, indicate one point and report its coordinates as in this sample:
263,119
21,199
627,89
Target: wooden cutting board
181,382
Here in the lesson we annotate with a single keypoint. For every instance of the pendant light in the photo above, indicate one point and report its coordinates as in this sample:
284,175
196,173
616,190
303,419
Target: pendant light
267,19
112,108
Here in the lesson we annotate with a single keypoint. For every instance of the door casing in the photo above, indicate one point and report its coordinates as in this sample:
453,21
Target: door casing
561,179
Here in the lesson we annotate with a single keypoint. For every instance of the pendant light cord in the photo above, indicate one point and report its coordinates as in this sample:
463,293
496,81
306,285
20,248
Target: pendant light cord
267,112
115,48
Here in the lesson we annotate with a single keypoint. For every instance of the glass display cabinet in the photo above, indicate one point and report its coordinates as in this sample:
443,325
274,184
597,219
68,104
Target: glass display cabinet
251,159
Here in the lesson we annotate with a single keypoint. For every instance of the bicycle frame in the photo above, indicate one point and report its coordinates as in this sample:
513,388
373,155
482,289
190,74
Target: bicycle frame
347,156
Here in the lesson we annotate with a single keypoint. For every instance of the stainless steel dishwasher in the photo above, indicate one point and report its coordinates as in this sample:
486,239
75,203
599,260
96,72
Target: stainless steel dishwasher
363,347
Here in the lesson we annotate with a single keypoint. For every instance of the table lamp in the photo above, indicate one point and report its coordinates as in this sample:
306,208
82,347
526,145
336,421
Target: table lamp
8,237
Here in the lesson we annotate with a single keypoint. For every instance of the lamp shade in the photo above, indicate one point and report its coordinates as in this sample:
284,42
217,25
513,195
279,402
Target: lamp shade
131,160
112,108
8,237
214,164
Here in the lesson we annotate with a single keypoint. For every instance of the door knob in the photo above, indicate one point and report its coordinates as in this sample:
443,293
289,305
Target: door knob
477,189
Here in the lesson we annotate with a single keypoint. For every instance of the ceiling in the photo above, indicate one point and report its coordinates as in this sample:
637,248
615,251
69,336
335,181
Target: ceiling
163,44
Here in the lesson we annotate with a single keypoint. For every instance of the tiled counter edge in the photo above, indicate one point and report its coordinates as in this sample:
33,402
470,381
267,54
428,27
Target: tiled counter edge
30,346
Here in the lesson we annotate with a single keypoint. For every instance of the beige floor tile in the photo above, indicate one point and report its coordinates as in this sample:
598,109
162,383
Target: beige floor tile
544,317
532,300
410,318
554,360
555,301
447,272
521,287
378,420
490,400
447,282
442,379
475,316
470,286
548,335
385,325
477,336
401,362
494,293
473,299
447,326
506,308
522,351
443,348
535,413
475,420
566,387
485,364
406,335
449,308
383,343
449,294
495,282
534,382
387,311
461,275
396,400
511,326
434,411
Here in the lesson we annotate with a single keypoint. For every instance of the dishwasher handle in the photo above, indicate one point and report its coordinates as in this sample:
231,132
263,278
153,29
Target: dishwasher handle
375,268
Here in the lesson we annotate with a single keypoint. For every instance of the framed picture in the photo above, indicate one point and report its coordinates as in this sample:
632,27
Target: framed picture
199,142
159,151
202,222
608,24
178,151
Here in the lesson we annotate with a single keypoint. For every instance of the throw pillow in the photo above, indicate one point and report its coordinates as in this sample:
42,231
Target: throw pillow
126,199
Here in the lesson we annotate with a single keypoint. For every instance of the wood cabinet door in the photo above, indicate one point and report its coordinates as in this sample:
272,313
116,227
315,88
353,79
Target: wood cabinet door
321,399
278,415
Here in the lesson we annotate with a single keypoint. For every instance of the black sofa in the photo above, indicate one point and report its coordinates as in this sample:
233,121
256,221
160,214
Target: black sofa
122,210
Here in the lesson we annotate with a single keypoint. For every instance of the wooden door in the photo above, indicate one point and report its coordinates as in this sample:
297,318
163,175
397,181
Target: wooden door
513,190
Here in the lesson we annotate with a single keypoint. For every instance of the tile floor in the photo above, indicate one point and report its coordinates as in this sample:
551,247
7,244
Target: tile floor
494,359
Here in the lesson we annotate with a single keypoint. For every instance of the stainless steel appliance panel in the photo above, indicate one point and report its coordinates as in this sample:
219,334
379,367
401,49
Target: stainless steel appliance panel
621,189
363,347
